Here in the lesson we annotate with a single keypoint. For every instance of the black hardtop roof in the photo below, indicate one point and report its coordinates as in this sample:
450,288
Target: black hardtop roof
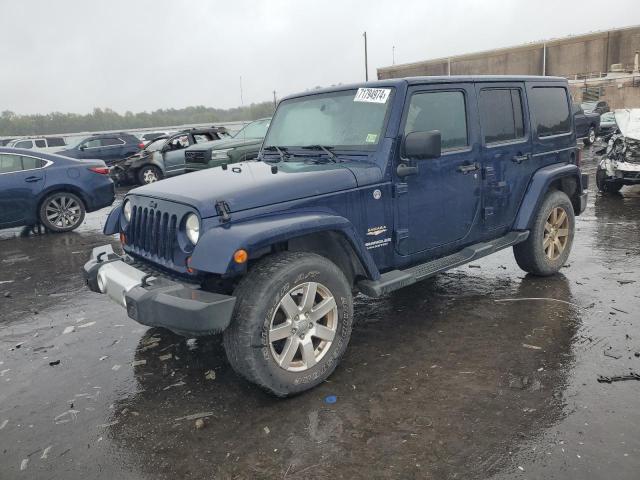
395,82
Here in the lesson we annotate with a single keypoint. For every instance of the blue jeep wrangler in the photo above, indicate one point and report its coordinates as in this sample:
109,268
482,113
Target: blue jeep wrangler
365,188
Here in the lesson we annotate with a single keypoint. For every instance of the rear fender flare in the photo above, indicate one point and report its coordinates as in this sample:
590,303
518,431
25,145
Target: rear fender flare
538,187
214,251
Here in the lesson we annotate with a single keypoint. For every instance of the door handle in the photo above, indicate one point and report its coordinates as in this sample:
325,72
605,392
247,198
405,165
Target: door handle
32,179
520,158
468,168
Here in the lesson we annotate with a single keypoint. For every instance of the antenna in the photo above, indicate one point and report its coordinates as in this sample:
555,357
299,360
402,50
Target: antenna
366,66
241,101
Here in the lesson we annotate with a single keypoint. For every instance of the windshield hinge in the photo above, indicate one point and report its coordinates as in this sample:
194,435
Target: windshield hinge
223,210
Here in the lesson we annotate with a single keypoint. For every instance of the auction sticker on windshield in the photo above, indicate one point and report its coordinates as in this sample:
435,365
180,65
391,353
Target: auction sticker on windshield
372,95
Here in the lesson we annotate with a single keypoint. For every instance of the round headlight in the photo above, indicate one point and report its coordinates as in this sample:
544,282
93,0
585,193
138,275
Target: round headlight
126,210
192,225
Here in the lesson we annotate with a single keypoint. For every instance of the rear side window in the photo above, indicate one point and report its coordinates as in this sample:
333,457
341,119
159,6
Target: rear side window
501,114
24,144
41,143
56,142
29,163
550,110
442,111
111,141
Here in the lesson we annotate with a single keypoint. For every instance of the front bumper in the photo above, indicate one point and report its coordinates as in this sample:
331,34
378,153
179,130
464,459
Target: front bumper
156,301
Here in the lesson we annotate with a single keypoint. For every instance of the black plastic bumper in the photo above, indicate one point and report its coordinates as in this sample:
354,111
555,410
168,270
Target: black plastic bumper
156,301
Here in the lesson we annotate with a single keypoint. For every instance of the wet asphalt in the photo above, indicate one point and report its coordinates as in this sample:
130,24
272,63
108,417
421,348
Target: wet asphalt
482,372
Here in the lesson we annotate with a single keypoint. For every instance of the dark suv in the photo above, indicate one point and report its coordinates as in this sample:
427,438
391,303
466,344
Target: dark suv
108,147
369,187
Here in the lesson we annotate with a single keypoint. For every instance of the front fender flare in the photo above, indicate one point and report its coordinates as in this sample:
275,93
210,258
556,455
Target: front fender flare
112,225
214,251
538,187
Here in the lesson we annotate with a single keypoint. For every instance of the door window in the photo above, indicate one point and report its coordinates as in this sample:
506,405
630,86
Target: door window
501,114
93,143
443,111
10,163
24,144
550,110
41,143
56,142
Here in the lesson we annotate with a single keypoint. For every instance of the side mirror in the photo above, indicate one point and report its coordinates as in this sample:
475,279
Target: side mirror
422,145
82,148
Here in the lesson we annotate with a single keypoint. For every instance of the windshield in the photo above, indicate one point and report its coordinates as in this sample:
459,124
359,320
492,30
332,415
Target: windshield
257,129
350,119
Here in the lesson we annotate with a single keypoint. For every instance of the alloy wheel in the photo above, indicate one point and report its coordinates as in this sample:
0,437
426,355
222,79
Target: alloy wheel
63,212
150,176
303,326
556,233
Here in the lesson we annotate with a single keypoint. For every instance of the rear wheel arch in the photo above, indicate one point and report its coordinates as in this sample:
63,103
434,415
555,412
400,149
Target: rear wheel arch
570,186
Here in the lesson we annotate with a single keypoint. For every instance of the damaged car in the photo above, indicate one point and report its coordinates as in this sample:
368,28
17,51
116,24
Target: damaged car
164,156
620,164
245,145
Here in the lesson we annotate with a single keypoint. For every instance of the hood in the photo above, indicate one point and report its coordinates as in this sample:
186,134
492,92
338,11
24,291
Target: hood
628,120
224,144
250,185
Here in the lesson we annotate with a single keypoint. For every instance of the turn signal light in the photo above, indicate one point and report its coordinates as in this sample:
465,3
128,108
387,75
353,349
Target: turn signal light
241,256
189,269
100,170
123,238
141,145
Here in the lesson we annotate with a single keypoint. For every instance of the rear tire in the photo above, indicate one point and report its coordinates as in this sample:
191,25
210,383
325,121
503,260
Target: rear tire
62,212
291,324
551,237
604,184
149,174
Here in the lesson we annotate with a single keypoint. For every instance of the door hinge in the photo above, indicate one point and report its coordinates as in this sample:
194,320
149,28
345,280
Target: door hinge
223,211
400,189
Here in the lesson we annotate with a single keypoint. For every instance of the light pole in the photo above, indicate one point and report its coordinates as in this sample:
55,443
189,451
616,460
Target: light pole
393,55
366,66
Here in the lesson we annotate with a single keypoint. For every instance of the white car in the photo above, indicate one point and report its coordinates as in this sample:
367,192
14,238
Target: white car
47,144
621,164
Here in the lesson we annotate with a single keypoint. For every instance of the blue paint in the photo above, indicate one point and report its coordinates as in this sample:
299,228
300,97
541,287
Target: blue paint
330,399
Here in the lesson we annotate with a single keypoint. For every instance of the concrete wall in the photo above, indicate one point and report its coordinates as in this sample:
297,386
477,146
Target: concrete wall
565,57
619,93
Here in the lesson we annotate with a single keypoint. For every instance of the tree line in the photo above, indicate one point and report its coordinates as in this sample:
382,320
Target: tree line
107,119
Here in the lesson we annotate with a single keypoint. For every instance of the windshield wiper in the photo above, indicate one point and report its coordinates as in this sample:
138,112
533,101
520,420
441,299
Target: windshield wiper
282,151
326,150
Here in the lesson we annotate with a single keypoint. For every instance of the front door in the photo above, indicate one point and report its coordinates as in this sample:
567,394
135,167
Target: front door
21,180
506,152
173,156
443,198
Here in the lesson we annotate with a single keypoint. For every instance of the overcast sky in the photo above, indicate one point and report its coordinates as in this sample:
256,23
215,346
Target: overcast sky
73,55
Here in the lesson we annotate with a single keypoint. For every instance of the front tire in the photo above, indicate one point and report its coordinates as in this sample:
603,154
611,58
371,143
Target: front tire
149,174
591,136
292,322
606,185
551,237
62,212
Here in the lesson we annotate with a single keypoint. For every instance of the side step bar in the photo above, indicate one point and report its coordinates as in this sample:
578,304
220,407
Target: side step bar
395,279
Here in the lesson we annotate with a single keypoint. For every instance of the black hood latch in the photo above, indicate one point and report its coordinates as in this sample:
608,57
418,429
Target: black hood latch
223,211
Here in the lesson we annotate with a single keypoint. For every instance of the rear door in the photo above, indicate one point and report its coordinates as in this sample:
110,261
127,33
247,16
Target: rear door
21,180
112,148
506,152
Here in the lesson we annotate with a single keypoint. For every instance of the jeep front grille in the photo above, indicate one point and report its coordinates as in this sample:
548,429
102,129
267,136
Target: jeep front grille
196,156
152,232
